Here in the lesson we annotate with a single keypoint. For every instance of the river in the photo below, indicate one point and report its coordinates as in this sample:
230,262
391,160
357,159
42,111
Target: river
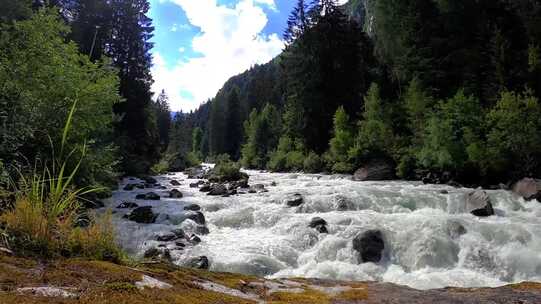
430,241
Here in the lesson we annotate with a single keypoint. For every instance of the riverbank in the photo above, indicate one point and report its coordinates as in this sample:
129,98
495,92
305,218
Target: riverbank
25,281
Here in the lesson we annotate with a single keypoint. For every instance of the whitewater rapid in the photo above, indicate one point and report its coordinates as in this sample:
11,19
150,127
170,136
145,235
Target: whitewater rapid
425,244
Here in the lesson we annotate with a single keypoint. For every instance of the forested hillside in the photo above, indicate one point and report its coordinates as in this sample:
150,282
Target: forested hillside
440,86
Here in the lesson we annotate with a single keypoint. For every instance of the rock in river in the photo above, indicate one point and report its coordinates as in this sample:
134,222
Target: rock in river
142,215
127,205
370,246
175,194
295,200
375,170
478,203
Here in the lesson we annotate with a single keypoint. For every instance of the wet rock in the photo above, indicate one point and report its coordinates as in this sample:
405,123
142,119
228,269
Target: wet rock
175,183
197,217
317,221
152,253
217,189
175,194
456,229
528,188
192,207
179,233
142,215
129,187
444,192
478,203
197,184
180,244
202,230
194,239
150,180
166,255
376,170
454,184
273,184
342,203
201,262
166,237
370,246
162,187
205,188
140,186
151,196
295,200
127,205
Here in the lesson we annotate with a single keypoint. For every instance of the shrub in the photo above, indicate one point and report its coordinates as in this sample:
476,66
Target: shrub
313,163
342,167
277,161
226,170
160,168
45,218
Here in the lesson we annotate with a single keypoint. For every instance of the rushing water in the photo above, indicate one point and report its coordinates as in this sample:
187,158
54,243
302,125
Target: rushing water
258,234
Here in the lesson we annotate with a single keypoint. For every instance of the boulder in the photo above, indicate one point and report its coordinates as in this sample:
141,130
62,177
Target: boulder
370,246
375,170
127,205
140,186
478,203
194,239
319,224
175,183
197,217
129,187
175,194
152,253
166,237
294,201
217,189
150,180
151,196
205,188
528,188
201,262
142,215
179,233
342,203
192,207
197,184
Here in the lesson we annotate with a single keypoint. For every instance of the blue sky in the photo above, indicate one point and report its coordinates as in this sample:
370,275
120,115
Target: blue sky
199,44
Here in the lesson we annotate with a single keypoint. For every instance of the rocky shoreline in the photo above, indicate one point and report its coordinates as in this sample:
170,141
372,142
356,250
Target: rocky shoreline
78,281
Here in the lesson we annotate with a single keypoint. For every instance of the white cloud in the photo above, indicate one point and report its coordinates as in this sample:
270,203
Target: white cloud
182,49
230,42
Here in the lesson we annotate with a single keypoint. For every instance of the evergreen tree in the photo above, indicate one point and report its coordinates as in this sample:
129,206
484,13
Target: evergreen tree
262,132
341,143
163,115
233,133
375,134
130,50
216,129
297,22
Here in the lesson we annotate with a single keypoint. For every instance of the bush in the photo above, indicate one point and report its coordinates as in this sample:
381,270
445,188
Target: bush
226,170
160,168
342,167
313,163
277,161
295,161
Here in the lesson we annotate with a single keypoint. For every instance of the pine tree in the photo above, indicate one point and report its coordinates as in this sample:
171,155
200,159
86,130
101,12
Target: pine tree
163,115
341,142
129,49
297,22
233,133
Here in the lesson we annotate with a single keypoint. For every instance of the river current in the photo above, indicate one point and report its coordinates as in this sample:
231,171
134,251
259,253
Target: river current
430,241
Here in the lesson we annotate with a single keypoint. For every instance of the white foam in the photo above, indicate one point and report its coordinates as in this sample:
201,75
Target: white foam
430,241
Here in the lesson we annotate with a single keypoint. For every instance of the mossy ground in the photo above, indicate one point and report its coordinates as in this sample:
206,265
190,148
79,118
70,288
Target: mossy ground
103,283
